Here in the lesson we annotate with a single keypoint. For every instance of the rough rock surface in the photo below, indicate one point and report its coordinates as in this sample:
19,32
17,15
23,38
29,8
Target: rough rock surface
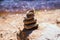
10,25
48,30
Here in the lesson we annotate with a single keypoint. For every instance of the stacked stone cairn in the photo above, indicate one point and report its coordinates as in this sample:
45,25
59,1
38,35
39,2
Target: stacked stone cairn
29,21
29,26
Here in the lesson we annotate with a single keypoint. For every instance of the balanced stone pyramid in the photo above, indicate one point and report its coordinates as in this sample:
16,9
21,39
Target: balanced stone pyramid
29,21
29,26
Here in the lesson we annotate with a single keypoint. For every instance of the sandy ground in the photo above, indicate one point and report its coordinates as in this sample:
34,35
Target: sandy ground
12,23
